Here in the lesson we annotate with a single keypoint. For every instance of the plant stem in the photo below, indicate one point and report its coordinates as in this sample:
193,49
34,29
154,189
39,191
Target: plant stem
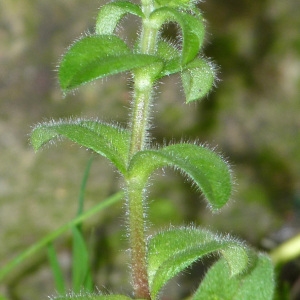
143,86
140,113
137,241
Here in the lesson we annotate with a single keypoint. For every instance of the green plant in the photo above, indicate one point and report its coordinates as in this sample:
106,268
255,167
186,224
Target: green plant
240,272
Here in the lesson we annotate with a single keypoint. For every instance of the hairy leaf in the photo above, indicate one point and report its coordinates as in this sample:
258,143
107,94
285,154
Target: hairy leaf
197,79
172,251
206,169
111,13
105,139
171,57
98,56
256,283
192,28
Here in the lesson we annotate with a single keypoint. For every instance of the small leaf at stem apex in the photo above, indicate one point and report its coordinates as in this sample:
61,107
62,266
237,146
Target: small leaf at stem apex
192,28
111,13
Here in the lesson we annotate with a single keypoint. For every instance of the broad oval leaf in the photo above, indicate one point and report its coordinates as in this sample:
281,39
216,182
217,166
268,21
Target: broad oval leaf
98,56
257,282
172,251
108,140
205,168
197,79
192,28
111,13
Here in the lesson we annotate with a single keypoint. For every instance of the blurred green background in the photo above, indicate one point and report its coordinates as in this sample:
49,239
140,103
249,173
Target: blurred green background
252,118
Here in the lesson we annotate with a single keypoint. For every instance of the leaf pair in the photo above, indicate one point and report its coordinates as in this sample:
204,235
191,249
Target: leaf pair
205,168
239,273
104,54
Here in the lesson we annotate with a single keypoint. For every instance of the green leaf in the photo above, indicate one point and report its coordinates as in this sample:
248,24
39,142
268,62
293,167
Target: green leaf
192,28
81,276
56,269
172,251
256,283
105,139
111,13
197,79
98,56
81,271
81,62
171,57
206,169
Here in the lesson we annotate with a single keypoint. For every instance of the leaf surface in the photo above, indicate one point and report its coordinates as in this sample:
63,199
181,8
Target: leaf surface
105,139
111,13
256,283
171,56
192,28
206,169
197,79
98,56
198,76
172,251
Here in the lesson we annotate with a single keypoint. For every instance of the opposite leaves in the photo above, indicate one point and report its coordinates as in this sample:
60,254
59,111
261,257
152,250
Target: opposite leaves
206,169
104,54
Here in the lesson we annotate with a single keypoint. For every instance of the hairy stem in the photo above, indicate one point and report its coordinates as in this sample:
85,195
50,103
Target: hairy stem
140,113
137,241
143,86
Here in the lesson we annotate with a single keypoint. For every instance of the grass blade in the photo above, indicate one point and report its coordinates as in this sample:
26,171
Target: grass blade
56,269
32,250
